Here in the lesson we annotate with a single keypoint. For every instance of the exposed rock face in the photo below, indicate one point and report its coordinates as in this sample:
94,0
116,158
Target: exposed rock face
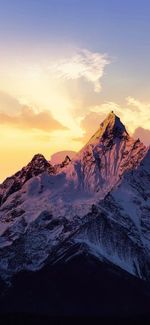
106,157
64,163
14,183
59,156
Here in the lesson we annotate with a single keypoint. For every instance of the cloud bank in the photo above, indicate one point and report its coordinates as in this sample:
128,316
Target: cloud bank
28,119
143,134
134,114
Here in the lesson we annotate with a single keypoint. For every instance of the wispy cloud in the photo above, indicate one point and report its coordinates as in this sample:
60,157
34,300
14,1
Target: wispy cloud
84,64
29,119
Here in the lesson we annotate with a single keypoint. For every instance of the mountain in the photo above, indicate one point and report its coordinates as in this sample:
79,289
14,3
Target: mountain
120,231
14,183
82,286
105,158
96,204
60,156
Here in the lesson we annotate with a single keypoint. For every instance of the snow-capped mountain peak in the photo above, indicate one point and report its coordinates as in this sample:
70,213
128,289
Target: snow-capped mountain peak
85,198
35,167
105,158
111,127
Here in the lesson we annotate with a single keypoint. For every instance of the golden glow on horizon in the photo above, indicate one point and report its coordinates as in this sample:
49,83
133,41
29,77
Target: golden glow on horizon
42,107
18,147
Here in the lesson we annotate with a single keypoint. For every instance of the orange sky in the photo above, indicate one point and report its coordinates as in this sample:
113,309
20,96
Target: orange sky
64,65
54,105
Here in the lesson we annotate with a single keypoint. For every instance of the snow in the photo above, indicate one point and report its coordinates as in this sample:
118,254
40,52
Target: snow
101,198
102,254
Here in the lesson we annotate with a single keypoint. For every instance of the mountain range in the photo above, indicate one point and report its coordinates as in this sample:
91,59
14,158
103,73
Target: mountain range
94,206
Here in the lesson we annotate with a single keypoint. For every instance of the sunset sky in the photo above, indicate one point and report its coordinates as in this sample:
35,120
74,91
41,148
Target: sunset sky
64,65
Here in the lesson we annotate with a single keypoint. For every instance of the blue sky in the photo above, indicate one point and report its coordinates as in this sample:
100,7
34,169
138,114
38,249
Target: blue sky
119,28
107,25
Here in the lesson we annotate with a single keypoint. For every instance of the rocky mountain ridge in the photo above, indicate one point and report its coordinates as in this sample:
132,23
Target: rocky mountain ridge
96,200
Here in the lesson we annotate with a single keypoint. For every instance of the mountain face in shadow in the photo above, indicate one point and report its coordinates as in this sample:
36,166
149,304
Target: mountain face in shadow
74,236
83,286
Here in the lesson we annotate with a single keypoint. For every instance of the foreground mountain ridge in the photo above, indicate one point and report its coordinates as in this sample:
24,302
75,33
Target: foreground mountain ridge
96,200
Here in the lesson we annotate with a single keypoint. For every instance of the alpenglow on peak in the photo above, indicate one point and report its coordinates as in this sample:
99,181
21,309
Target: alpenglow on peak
110,127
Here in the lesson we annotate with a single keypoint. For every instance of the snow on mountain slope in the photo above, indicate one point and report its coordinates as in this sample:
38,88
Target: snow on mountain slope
106,157
95,169
53,204
58,157
14,183
121,231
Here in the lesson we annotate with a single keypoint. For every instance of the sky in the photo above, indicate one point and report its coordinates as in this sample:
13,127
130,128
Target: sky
64,65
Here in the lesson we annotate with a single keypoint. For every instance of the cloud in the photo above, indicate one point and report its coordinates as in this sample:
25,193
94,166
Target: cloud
90,124
29,119
65,84
140,112
134,103
8,103
143,134
106,107
134,114
84,64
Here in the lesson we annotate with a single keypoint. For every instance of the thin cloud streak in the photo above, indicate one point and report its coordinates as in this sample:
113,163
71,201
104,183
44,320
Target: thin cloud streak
84,64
